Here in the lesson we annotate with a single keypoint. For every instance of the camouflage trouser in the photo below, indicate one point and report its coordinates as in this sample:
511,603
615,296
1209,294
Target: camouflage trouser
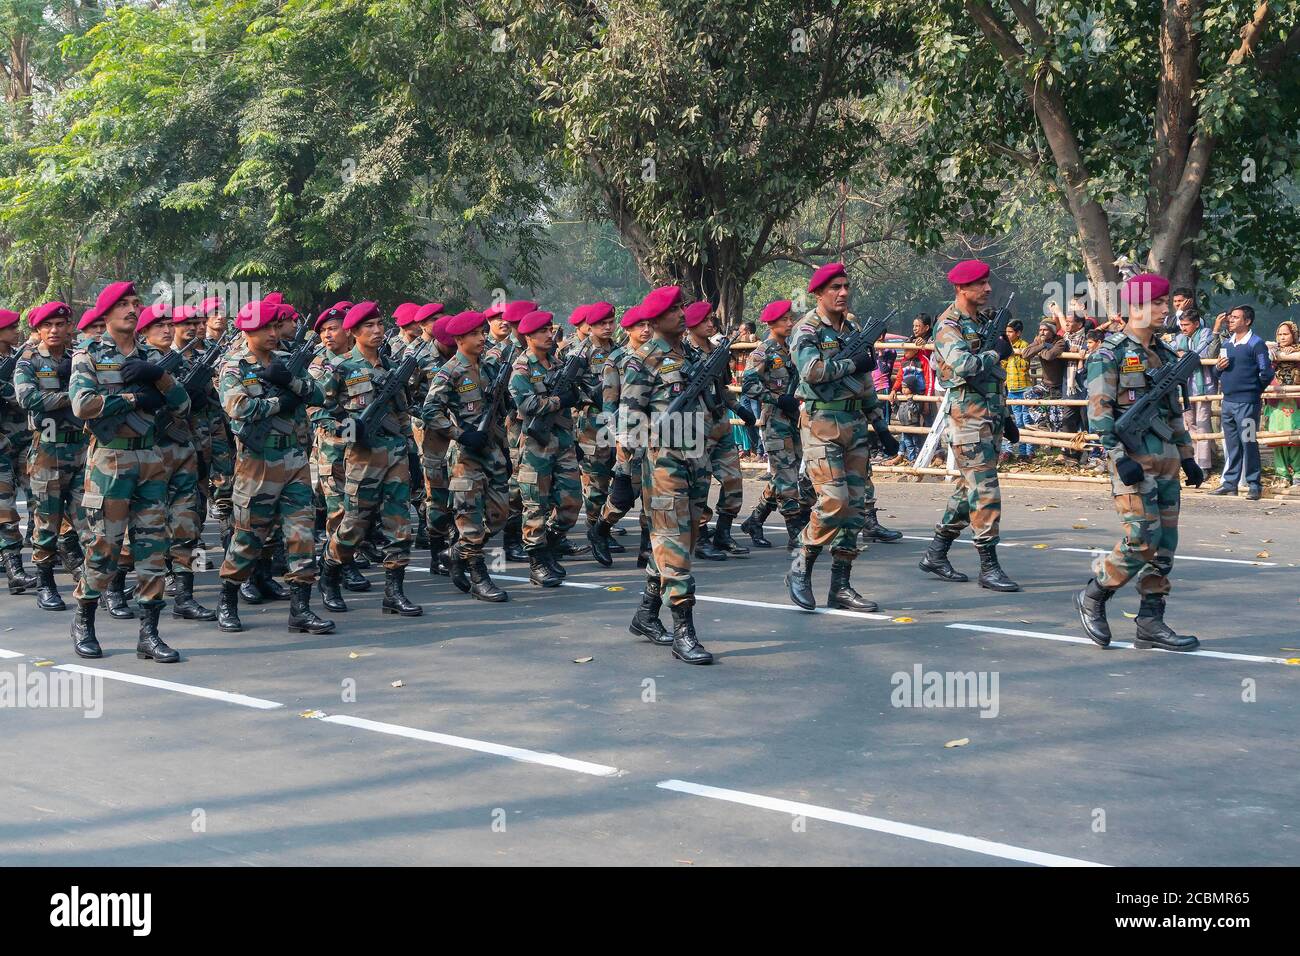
597,469
419,492
514,429
674,487
723,465
377,487
612,514
479,496
1149,513
58,480
784,447
124,490
181,462
433,462
977,499
221,468
838,456
270,491
331,469
549,486
10,536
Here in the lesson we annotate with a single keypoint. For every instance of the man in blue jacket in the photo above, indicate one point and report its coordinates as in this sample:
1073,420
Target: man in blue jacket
1244,372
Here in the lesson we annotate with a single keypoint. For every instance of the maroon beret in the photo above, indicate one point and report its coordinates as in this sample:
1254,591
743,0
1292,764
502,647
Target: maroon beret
8,317
48,310
825,274
184,313
514,311
211,306
1144,288
776,310
359,313
970,270
696,313
430,310
113,293
598,312
338,310
87,319
632,316
660,300
463,323
150,315
273,298
493,310
404,314
440,333
534,321
578,315
257,314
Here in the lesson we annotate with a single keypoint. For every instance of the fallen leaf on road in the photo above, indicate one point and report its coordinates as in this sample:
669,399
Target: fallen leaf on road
1292,660
583,660
1128,615
958,743
687,862
1039,547
354,655
613,587
1079,527
398,683
1262,554
43,663
312,714
903,620
1233,531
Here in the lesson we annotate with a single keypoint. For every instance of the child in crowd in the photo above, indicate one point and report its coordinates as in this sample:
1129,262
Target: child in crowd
908,411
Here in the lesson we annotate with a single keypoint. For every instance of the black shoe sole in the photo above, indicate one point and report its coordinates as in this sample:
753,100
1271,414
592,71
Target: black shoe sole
871,607
1001,589
392,610
505,596
300,629
1147,645
149,657
89,657
52,607
702,660
210,616
1099,641
938,573
796,601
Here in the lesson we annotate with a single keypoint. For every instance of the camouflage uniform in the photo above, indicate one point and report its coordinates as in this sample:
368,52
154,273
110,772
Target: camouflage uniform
597,463
720,448
217,442
494,356
430,448
126,481
767,378
611,399
15,441
548,472
176,448
329,448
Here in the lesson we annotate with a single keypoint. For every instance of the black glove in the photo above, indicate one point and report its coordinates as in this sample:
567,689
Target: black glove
788,404
138,370
1002,345
620,492
64,368
1129,471
1193,472
1010,430
289,400
473,439
579,453
568,397
864,362
149,399
198,393
745,415
276,374
888,443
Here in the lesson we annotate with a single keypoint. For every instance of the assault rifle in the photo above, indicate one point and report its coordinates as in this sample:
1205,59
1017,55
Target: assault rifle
105,429
201,369
374,420
1133,425
704,376
301,349
856,344
559,379
996,326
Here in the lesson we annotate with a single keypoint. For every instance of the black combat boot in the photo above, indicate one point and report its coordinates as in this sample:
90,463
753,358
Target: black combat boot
354,580
555,547
70,552
47,594
150,646
1091,605
421,529
873,530
360,559
799,580
685,646
395,599
185,606
991,574
562,547
251,589
458,570
842,594
318,528
279,564
936,560
228,607
84,641
437,554
705,549
115,599
1152,631
598,536
19,581
329,587
794,525
272,590
539,569
722,539
753,525
646,621
480,583
169,580
302,619
615,547
643,549
512,539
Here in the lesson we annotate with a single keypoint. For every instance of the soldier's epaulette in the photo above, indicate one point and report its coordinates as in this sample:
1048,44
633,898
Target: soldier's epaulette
1115,338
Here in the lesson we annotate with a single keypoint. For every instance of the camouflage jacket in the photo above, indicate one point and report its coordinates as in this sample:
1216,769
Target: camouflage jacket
653,376
1118,375
722,399
529,392
96,388
247,399
814,345
972,373
458,399
13,419
767,372
42,393
324,368
351,389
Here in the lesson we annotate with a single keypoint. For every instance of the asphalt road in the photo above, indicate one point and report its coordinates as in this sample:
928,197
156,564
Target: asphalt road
498,748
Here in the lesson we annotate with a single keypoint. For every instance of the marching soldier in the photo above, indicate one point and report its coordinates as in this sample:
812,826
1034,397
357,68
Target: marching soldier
117,388
377,482
15,440
724,456
271,484
460,407
548,466
174,441
770,378
499,358
1145,481
90,326
597,461
413,342
971,370
221,462
674,474
639,331
431,448
57,461
836,428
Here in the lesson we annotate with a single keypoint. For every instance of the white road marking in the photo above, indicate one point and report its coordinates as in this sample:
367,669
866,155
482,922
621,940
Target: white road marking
1072,639
482,746
1178,557
908,831
242,700
8,654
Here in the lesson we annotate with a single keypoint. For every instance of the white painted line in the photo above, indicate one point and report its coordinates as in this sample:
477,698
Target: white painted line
244,701
1001,544
482,746
1177,557
7,654
791,607
1072,639
908,831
